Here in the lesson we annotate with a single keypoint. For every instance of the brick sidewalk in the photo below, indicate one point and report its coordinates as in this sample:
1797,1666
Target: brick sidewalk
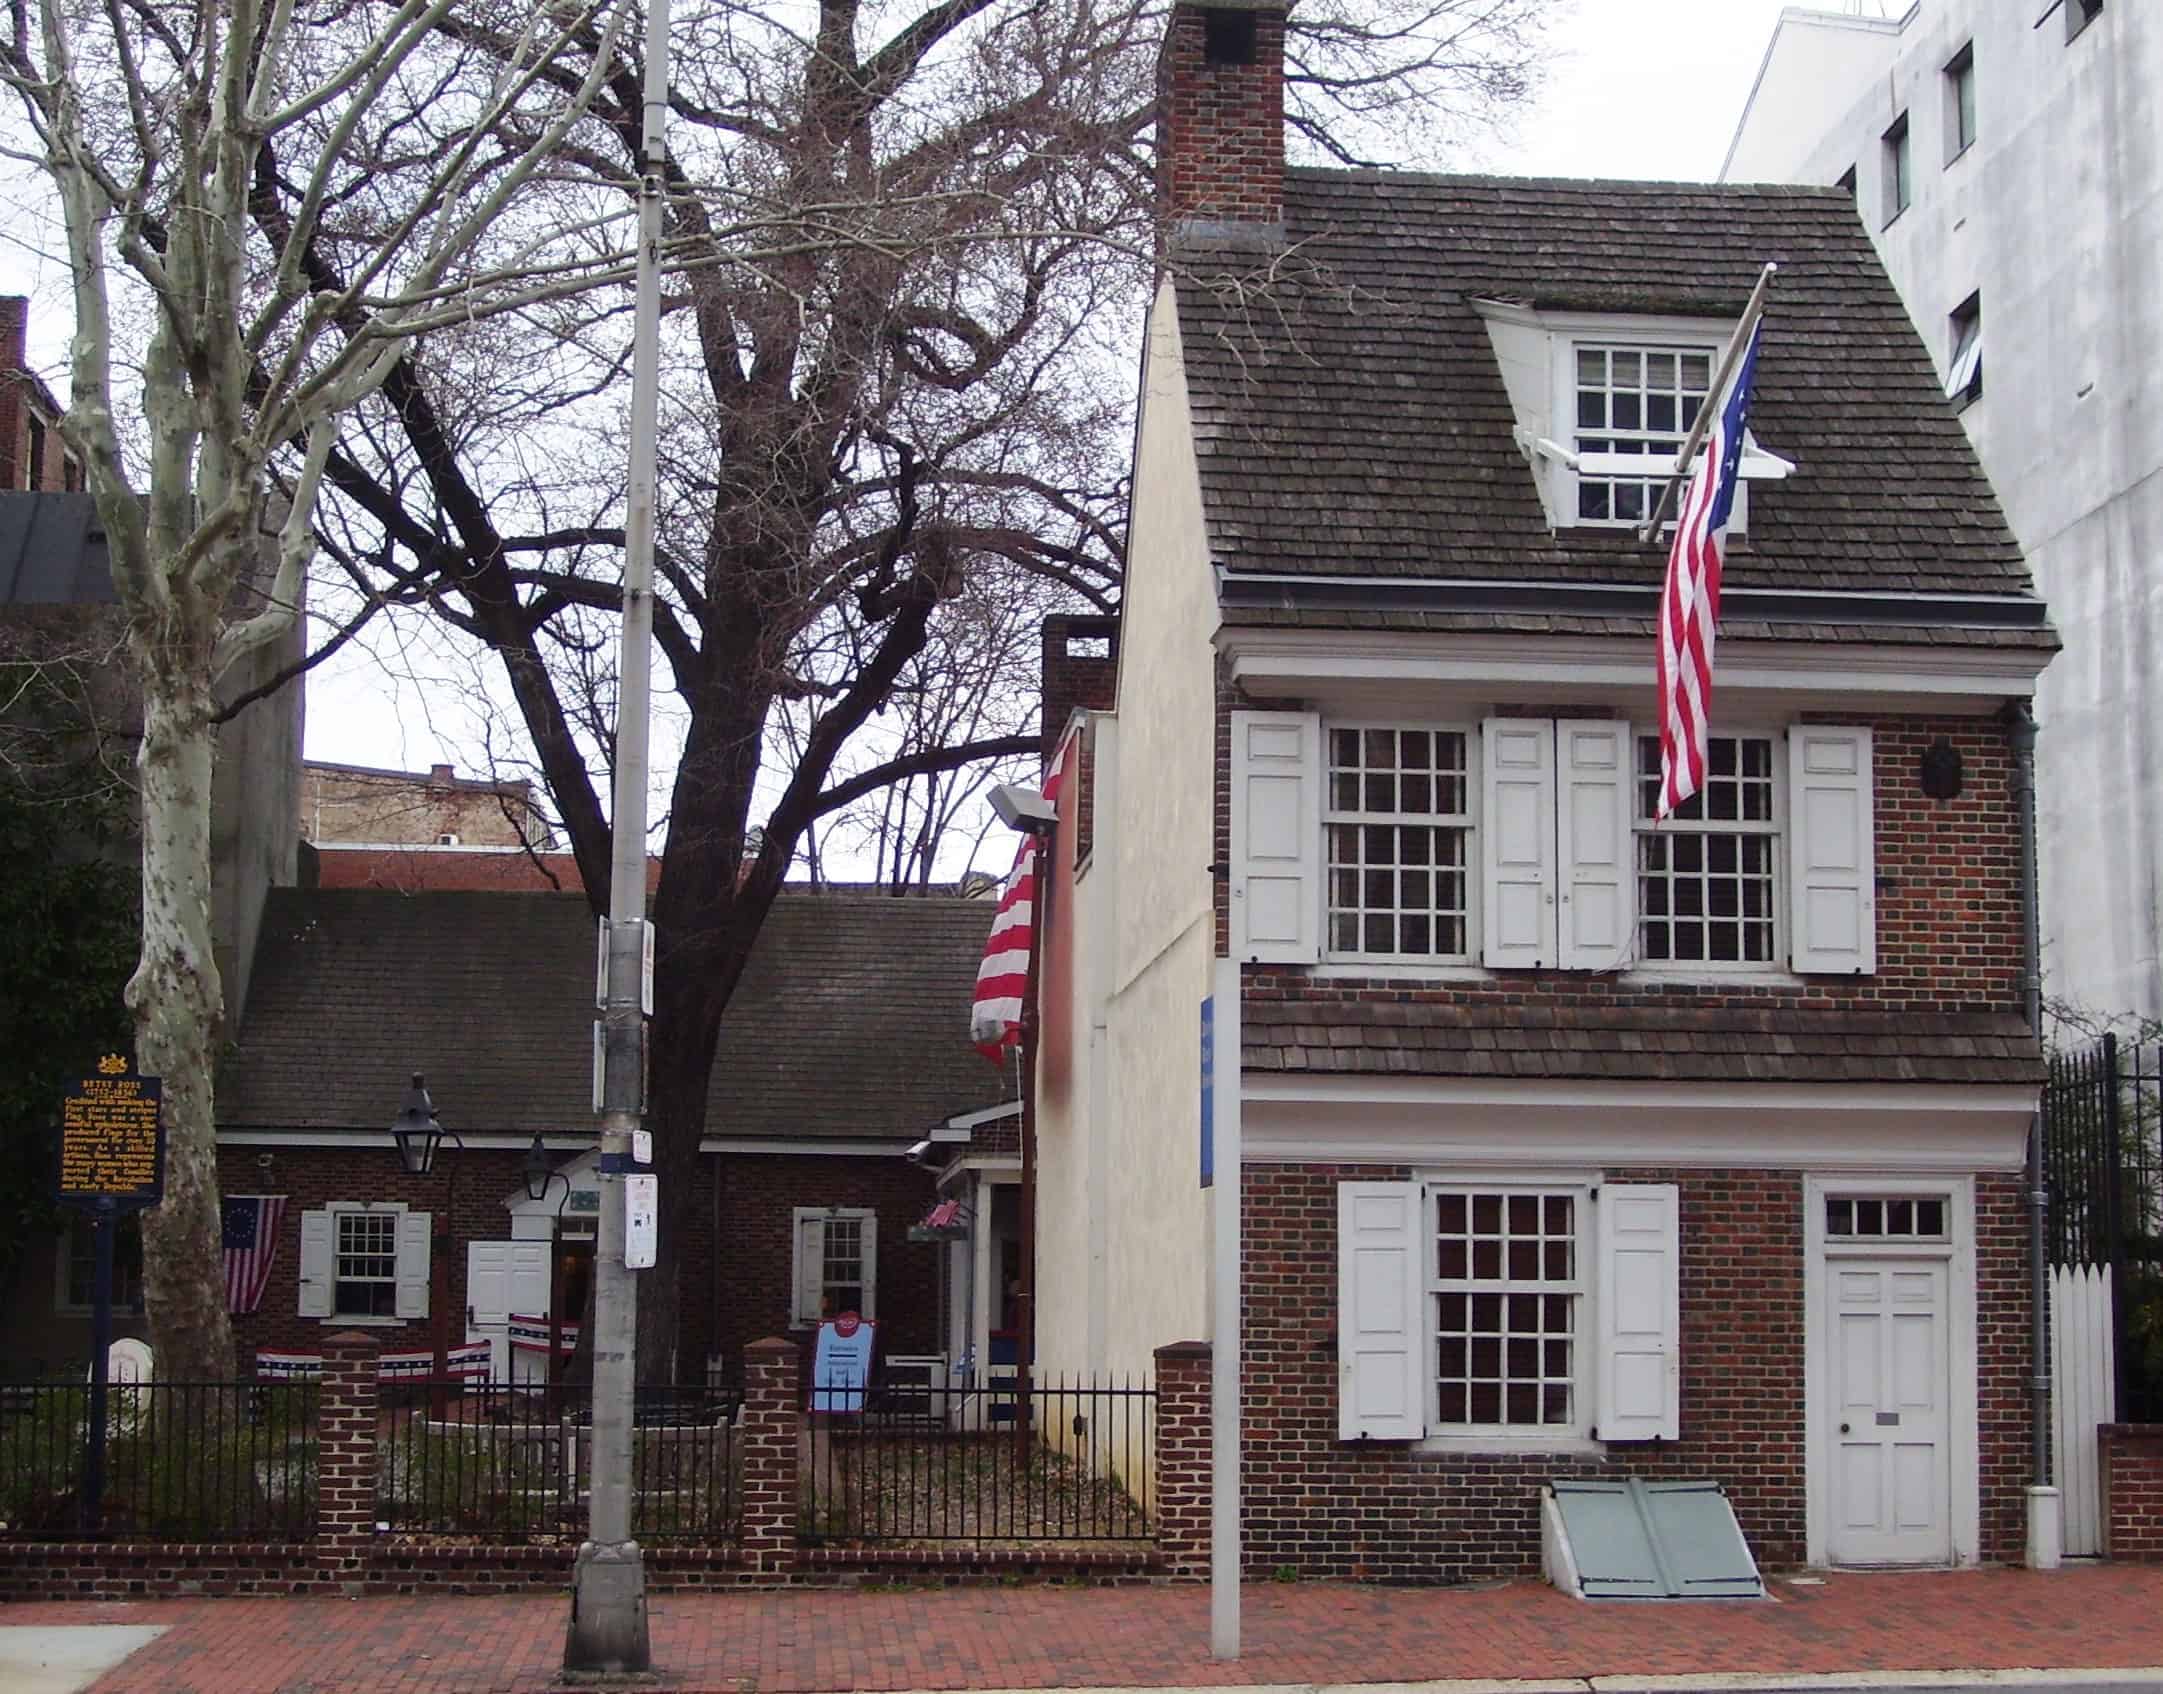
795,1641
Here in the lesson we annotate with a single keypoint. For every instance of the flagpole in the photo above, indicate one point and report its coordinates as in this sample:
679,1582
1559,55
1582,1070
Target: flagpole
1728,360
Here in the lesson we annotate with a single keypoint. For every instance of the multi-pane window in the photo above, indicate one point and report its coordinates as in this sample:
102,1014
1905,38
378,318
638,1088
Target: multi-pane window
1398,823
82,1276
1705,877
1508,1304
841,1268
1899,169
366,1274
1638,401
1886,1218
1960,103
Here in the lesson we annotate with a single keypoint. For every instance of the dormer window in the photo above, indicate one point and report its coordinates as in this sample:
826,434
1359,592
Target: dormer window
1604,403
1634,403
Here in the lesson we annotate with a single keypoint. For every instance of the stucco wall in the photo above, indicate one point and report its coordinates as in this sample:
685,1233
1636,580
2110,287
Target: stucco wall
2056,215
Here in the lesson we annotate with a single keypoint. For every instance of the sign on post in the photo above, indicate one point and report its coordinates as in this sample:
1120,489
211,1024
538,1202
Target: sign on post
841,1364
112,1140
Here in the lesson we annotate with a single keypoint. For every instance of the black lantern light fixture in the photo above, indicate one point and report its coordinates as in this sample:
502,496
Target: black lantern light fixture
538,1171
416,1130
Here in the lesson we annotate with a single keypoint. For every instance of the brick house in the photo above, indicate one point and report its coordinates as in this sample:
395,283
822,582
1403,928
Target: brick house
844,1048
1574,1146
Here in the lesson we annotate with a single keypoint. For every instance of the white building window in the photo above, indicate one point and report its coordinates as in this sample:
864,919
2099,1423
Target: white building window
1960,102
1899,168
1870,1217
1964,357
1635,401
1706,879
835,1263
366,1278
1398,824
1509,1297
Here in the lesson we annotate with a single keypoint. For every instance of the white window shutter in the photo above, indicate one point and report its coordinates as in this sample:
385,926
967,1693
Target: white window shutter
413,1265
1593,846
1276,846
870,1240
1381,1342
1832,880
318,1249
810,1267
1517,842
1640,1306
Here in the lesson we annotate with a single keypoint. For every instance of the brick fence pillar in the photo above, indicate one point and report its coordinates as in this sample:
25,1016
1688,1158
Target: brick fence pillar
770,1503
346,1444
2132,1465
1183,1450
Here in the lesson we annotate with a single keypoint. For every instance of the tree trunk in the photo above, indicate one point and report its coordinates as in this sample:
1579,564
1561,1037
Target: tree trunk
179,1004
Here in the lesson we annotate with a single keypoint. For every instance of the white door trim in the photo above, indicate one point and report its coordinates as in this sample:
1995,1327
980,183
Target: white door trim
1963,1425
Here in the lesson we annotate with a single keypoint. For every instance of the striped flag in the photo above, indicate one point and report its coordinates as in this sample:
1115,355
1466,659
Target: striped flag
1002,978
249,1227
1690,600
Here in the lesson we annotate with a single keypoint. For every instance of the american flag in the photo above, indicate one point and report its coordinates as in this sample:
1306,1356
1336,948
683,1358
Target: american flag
1002,978
1690,601
249,1228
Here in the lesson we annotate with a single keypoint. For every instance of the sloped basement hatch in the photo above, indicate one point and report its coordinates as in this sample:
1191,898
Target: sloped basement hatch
1636,1540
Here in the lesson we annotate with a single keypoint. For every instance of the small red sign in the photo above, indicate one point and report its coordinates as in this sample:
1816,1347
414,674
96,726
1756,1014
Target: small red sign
847,1324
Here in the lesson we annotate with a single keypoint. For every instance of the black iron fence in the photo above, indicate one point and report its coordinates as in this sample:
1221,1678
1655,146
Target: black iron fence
183,1461
2103,1164
513,1463
910,1461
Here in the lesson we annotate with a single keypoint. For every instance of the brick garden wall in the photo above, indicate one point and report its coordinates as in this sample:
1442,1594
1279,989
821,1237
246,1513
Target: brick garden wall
2132,1455
1383,1511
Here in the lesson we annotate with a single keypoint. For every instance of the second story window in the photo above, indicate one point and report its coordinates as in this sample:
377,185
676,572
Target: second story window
1964,357
1960,103
1705,877
1398,824
1899,169
1638,401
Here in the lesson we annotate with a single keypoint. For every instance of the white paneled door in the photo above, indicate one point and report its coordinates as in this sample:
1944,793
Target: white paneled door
1889,1425
503,1277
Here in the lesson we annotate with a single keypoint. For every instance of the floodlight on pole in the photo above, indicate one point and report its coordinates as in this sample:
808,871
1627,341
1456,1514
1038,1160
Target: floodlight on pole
1024,809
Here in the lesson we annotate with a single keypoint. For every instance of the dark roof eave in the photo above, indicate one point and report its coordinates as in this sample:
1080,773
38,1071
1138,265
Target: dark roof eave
1294,590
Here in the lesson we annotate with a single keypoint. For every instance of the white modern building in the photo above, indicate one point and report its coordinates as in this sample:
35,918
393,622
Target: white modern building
2007,158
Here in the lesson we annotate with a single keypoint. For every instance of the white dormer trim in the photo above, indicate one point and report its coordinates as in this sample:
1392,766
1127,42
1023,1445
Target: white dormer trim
1536,354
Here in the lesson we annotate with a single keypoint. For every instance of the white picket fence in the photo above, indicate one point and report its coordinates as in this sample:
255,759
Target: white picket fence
2081,1373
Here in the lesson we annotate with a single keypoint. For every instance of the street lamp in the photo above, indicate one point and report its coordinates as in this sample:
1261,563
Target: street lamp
419,1136
539,1173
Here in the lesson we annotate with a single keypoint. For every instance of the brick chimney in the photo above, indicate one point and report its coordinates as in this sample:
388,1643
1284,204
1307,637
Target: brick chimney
1220,119
14,313
1081,668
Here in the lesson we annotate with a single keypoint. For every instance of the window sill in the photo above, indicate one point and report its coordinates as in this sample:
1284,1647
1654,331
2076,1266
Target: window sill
1708,976
1962,154
371,1323
1896,217
1376,970
1477,1446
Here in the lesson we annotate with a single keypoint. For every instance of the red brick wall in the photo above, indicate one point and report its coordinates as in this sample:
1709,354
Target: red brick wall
736,1286
1220,127
752,1258
1384,1511
2132,1456
1948,890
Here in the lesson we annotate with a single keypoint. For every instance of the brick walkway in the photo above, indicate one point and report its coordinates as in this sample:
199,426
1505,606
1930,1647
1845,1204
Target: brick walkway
793,1641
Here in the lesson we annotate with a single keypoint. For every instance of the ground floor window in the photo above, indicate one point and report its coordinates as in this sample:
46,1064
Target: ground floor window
836,1263
1509,1301
78,1278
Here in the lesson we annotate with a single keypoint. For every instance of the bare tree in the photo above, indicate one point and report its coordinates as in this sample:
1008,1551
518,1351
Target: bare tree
919,410
156,124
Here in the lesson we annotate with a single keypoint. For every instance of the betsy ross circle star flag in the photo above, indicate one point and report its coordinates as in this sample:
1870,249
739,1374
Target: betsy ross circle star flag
1690,599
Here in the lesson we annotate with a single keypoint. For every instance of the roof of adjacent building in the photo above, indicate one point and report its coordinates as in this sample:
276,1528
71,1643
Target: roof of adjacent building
52,551
851,1020
1352,421
1650,1043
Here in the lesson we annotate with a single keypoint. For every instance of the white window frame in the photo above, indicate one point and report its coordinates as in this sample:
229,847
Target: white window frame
1656,466
1896,157
868,1216
1642,826
1584,1334
1469,821
400,1211
339,1211
63,1268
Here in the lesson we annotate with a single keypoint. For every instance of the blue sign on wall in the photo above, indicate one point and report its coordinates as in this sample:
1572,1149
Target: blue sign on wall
1209,1091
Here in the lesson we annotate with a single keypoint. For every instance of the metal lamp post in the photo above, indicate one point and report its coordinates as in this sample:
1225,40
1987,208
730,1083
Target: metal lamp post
539,1173
419,1137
